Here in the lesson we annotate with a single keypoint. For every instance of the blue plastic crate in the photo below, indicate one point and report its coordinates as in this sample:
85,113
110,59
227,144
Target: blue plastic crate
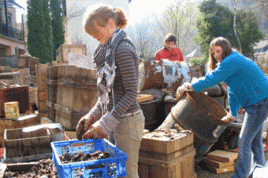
115,166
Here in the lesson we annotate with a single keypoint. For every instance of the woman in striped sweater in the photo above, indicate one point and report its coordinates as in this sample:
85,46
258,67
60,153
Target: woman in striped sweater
117,111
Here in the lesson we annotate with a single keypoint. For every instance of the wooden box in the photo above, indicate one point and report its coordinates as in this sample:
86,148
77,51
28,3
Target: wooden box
20,94
217,164
12,110
64,50
180,167
41,76
22,142
67,117
22,121
222,155
76,94
167,145
10,77
230,168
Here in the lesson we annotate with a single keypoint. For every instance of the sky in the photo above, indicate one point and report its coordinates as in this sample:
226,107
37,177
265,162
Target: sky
138,9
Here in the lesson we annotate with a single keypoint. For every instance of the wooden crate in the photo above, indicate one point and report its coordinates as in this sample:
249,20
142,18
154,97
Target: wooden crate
52,77
222,155
65,49
25,76
167,146
230,168
180,167
41,76
217,164
67,117
20,94
22,121
19,143
76,94
10,77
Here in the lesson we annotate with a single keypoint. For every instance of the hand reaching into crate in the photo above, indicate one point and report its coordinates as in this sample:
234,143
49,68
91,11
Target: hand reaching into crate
102,128
84,124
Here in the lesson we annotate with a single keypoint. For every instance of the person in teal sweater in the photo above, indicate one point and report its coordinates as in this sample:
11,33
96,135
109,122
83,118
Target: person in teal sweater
247,88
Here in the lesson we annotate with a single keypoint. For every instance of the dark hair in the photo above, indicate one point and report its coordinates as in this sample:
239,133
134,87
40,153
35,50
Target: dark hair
226,47
100,14
170,37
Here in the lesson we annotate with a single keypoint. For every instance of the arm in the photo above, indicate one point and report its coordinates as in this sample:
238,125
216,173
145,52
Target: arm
180,56
226,69
157,56
127,66
233,103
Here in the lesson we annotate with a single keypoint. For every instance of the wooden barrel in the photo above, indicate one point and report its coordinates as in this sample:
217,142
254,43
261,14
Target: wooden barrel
162,74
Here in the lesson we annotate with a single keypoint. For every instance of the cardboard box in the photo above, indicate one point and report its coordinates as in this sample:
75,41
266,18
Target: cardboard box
222,170
223,156
217,164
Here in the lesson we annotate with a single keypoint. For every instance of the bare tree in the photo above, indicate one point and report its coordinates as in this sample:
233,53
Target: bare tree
234,4
180,19
143,41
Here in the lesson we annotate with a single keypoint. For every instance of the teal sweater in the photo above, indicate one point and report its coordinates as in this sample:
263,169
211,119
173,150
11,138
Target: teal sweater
247,84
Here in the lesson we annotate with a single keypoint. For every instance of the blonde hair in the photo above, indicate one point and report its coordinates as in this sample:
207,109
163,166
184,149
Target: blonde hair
100,14
226,47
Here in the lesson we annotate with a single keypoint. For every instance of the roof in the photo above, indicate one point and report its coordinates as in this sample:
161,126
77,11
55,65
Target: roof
10,4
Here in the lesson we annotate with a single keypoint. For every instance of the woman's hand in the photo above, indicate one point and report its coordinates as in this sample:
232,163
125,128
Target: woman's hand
102,128
183,88
94,132
228,118
84,124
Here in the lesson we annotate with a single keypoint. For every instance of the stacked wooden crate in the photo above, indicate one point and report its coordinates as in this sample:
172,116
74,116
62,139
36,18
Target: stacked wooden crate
65,49
76,94
167,154
52,77
20,143
221,161
22,121
41,76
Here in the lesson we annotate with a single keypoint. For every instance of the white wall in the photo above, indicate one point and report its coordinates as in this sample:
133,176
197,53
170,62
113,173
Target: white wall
75,31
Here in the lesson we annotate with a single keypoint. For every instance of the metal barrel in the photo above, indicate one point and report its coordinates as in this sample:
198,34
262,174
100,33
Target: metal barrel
201,114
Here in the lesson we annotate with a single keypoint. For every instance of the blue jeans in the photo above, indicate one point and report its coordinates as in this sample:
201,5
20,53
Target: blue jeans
250,139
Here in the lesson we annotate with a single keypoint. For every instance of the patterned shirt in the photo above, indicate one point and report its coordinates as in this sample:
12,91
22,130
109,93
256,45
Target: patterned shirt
125,88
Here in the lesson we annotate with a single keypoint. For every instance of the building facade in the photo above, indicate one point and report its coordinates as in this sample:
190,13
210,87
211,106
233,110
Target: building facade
12,39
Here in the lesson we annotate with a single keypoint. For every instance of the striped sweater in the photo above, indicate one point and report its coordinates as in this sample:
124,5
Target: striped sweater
125,84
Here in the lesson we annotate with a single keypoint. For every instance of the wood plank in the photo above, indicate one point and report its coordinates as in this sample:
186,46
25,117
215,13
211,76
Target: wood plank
217,164
166,157
222,170
144,97
222,155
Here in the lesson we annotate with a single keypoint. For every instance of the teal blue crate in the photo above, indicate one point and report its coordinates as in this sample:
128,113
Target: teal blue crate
115,166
